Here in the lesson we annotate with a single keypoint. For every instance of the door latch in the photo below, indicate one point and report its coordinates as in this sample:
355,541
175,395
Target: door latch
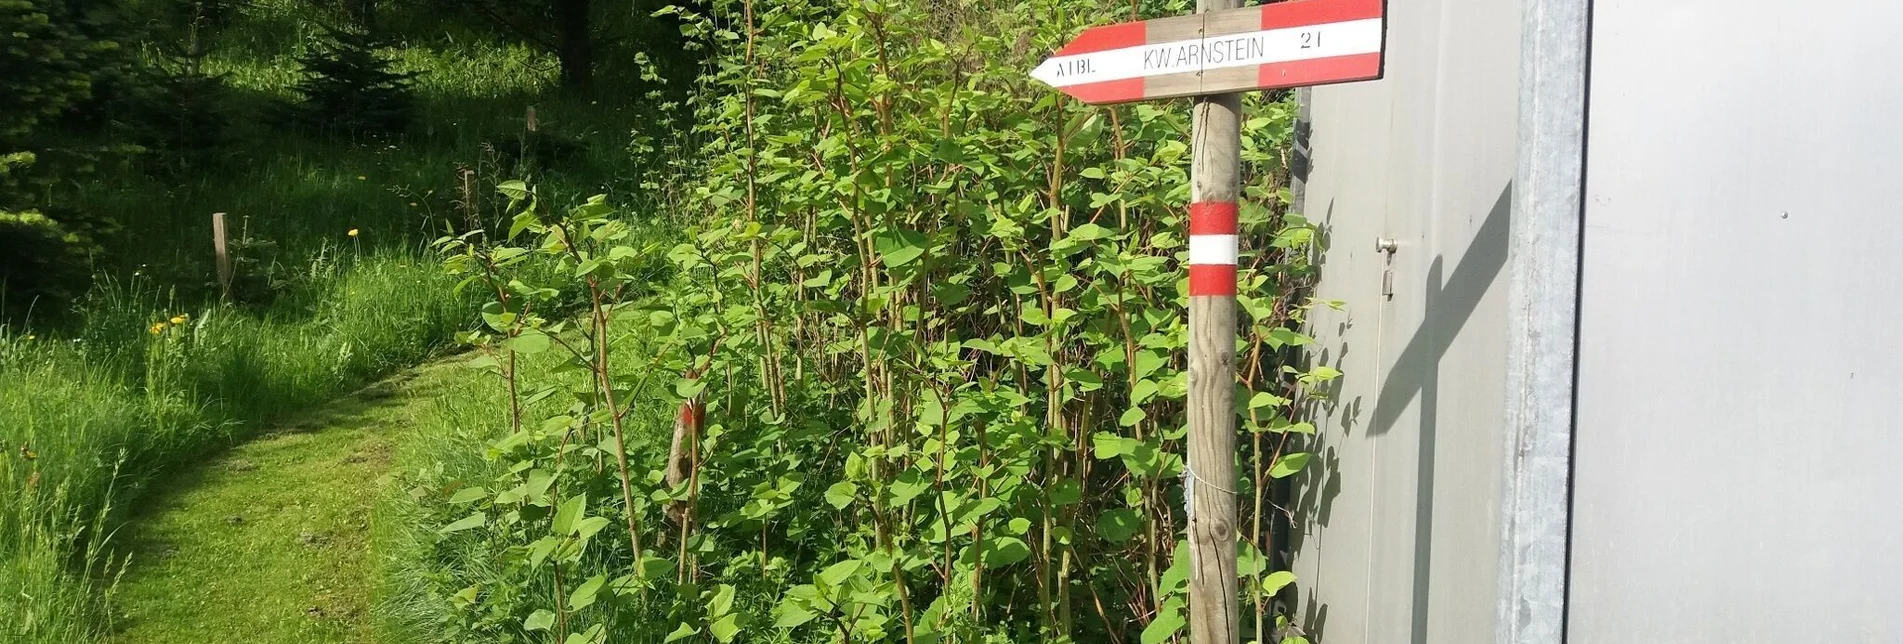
1386,246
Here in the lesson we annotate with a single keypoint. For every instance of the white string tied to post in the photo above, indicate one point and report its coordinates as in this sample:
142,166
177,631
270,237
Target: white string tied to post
1190,477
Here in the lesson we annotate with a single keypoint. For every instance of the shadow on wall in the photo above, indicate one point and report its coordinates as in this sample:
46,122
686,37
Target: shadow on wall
1449,302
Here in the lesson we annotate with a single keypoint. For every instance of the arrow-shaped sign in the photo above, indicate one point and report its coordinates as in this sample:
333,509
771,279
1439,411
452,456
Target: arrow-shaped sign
1288,44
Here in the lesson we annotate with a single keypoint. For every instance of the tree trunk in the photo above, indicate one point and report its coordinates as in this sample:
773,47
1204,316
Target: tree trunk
575,44
364,13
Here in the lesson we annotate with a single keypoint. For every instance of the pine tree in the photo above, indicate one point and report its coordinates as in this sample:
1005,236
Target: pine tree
351,87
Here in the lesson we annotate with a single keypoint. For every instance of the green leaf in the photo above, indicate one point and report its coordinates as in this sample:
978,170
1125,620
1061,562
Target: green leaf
951,293
791,613
908,486
570,513
1119,524
538,485
688,388
1281,336
585,594
589,526
725,628
841,494
682,632
1168,621
468,495
1288,464
496,317
1018,525
1148,362
1066,492
540,550
540,620
838,573
469,522
983,345
723,600
514,190
1004,551
1091,232
898,247
947,150
1249,561
1084,379
1265,399
655,567
1276,581
1084,133
594,635
1144,391
1177,575
529,342
1132,416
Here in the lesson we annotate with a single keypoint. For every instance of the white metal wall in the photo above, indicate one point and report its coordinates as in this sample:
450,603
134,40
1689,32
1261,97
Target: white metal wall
1739,443
1400,524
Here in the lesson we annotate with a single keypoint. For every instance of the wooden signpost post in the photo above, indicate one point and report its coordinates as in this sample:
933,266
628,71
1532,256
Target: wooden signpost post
1213,55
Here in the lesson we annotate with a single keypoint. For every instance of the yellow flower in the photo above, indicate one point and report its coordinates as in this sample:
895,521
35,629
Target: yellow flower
361,177
178,319
158,327
352,233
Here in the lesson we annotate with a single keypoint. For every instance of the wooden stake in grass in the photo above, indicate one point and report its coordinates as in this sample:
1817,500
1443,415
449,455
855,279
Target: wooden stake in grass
220,249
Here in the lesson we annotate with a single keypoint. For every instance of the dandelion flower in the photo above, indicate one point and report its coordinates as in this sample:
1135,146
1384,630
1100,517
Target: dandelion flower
158,327
178,319
352,233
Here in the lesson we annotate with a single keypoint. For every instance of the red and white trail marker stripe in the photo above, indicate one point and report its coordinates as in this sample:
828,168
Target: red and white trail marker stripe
1212,248
1288,44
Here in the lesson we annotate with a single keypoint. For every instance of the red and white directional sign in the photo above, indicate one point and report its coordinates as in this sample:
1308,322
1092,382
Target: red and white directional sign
1288,44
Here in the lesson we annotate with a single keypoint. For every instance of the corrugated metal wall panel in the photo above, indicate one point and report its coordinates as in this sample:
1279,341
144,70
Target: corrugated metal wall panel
1401,531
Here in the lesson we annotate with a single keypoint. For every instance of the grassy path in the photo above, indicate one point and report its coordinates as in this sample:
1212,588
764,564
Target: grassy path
270,542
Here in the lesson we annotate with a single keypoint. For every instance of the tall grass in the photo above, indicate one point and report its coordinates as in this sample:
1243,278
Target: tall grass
88,421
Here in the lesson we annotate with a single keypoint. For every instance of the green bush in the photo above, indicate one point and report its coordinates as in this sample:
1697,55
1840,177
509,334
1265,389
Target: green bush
351,87
45,264
48,65
934,316
181,117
